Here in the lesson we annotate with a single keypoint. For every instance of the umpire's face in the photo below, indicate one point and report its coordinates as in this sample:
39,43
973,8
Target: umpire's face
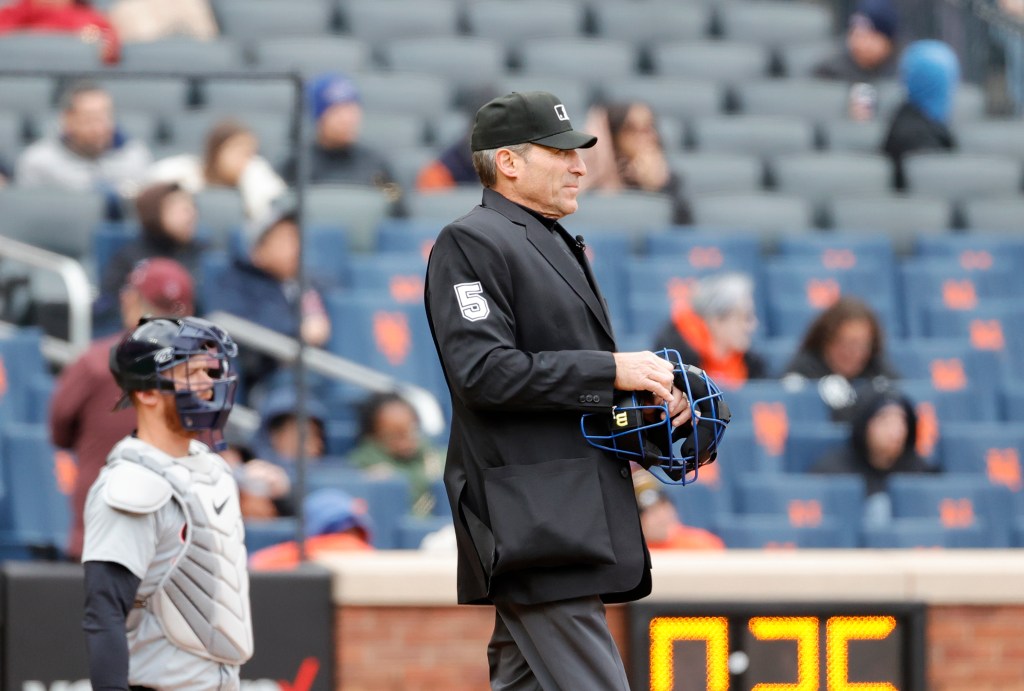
547,180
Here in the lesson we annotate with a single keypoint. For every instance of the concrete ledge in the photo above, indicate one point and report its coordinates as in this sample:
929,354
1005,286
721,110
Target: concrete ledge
403,578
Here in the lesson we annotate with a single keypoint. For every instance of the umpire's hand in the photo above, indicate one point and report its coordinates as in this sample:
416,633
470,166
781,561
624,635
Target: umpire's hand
645,371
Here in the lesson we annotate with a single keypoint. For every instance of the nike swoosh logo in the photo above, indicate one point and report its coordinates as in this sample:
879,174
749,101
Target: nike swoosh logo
220,508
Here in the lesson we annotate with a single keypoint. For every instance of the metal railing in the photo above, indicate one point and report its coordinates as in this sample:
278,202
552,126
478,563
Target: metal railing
76,282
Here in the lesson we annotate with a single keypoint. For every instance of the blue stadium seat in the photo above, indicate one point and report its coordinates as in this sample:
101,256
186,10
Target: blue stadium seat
387,499
741,451
950,364
958,501
21,364
414,235
804,500
35,508
398,275
265,533
701,504
978,250
907,533
760,532
990,450
777,353
807,444
840,250
708,250
773,411
412,529
1011,398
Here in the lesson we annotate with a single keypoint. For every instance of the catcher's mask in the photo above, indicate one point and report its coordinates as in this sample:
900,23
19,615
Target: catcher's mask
145,356
639,430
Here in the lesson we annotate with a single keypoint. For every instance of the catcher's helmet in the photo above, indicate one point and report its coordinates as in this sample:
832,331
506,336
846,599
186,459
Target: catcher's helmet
640,431
141,360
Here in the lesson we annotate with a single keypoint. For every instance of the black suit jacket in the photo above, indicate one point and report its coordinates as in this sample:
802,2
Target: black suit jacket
526,346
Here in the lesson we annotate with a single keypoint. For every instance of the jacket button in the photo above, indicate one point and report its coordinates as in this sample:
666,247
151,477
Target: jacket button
624,472
590,399
583,399
597,399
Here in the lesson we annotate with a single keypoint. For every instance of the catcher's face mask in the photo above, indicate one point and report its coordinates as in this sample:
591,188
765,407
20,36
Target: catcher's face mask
639,430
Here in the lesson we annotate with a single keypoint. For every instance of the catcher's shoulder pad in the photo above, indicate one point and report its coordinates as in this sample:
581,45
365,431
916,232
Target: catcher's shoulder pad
135,489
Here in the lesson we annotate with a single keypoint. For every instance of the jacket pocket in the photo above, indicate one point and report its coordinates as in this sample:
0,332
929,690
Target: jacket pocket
547,514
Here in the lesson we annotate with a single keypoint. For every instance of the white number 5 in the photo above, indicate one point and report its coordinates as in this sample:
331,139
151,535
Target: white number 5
472,303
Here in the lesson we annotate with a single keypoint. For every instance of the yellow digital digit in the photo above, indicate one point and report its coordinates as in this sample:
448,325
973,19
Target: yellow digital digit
804,630
665,631
839,631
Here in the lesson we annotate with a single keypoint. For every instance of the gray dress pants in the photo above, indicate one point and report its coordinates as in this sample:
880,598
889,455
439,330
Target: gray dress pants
554,646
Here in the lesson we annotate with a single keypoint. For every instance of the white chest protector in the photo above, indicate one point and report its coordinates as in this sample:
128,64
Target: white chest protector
202,603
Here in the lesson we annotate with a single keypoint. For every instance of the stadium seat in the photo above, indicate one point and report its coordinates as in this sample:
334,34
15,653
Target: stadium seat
993,326
717,172
374,21
807,445
804,500
446,204
790,320
58,220
466,61
776,351
752,135
968,101
649,23
760,532
626,210
21,364
774,23
359,208
387,499
399,276
265,533
962,176
957,500
682,98
909,533
164,97
977,250
936,408
706,250
722,61
189,130
814,99
26,95
403,92
246,21
791,280
950,364
388,132
851,135
241,97
12,135
312,55
1004,214
1011,398
220,209
702,503
989,136
840,250
592,60
48,51
770,214
412,235
35,502
407,163
514,23
817,177
185,54
990,450
412,529
800,59
901,218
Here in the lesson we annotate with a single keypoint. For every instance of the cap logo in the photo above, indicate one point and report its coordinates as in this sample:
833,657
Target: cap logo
561,112
162,356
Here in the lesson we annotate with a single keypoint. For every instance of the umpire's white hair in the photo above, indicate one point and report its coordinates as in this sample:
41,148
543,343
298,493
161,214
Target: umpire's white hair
719,294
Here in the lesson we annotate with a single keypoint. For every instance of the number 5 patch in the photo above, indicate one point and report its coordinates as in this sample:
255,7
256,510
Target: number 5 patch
472,302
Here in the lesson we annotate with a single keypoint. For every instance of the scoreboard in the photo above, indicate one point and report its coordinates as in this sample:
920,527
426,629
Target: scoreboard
777,647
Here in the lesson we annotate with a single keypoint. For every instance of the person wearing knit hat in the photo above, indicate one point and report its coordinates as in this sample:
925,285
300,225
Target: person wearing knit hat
930,72
168,224
869,51
337,154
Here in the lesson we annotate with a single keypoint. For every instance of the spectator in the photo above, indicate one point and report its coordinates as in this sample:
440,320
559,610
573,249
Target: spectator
230,160
869,53
63,16
337,155
140,21
843,349
335,522
882,438
167,217
391,443
660,521
262,286
278,437
264,488
80,409
629,154
1013,50
454,165
930,71
90,152
713,330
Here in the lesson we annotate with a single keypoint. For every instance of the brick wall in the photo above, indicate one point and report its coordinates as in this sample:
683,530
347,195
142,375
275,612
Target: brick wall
975,648
970,648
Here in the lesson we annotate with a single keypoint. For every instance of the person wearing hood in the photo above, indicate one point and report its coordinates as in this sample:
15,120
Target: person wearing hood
869,52
883,434
714,329
930,73
262,285
168,223
391,443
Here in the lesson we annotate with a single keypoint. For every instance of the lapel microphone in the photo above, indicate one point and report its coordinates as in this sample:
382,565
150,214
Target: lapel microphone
580,244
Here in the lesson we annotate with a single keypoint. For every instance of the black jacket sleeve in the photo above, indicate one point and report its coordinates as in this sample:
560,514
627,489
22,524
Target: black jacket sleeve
109,595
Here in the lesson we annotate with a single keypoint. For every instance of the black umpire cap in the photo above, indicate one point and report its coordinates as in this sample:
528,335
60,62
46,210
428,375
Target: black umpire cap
535,117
